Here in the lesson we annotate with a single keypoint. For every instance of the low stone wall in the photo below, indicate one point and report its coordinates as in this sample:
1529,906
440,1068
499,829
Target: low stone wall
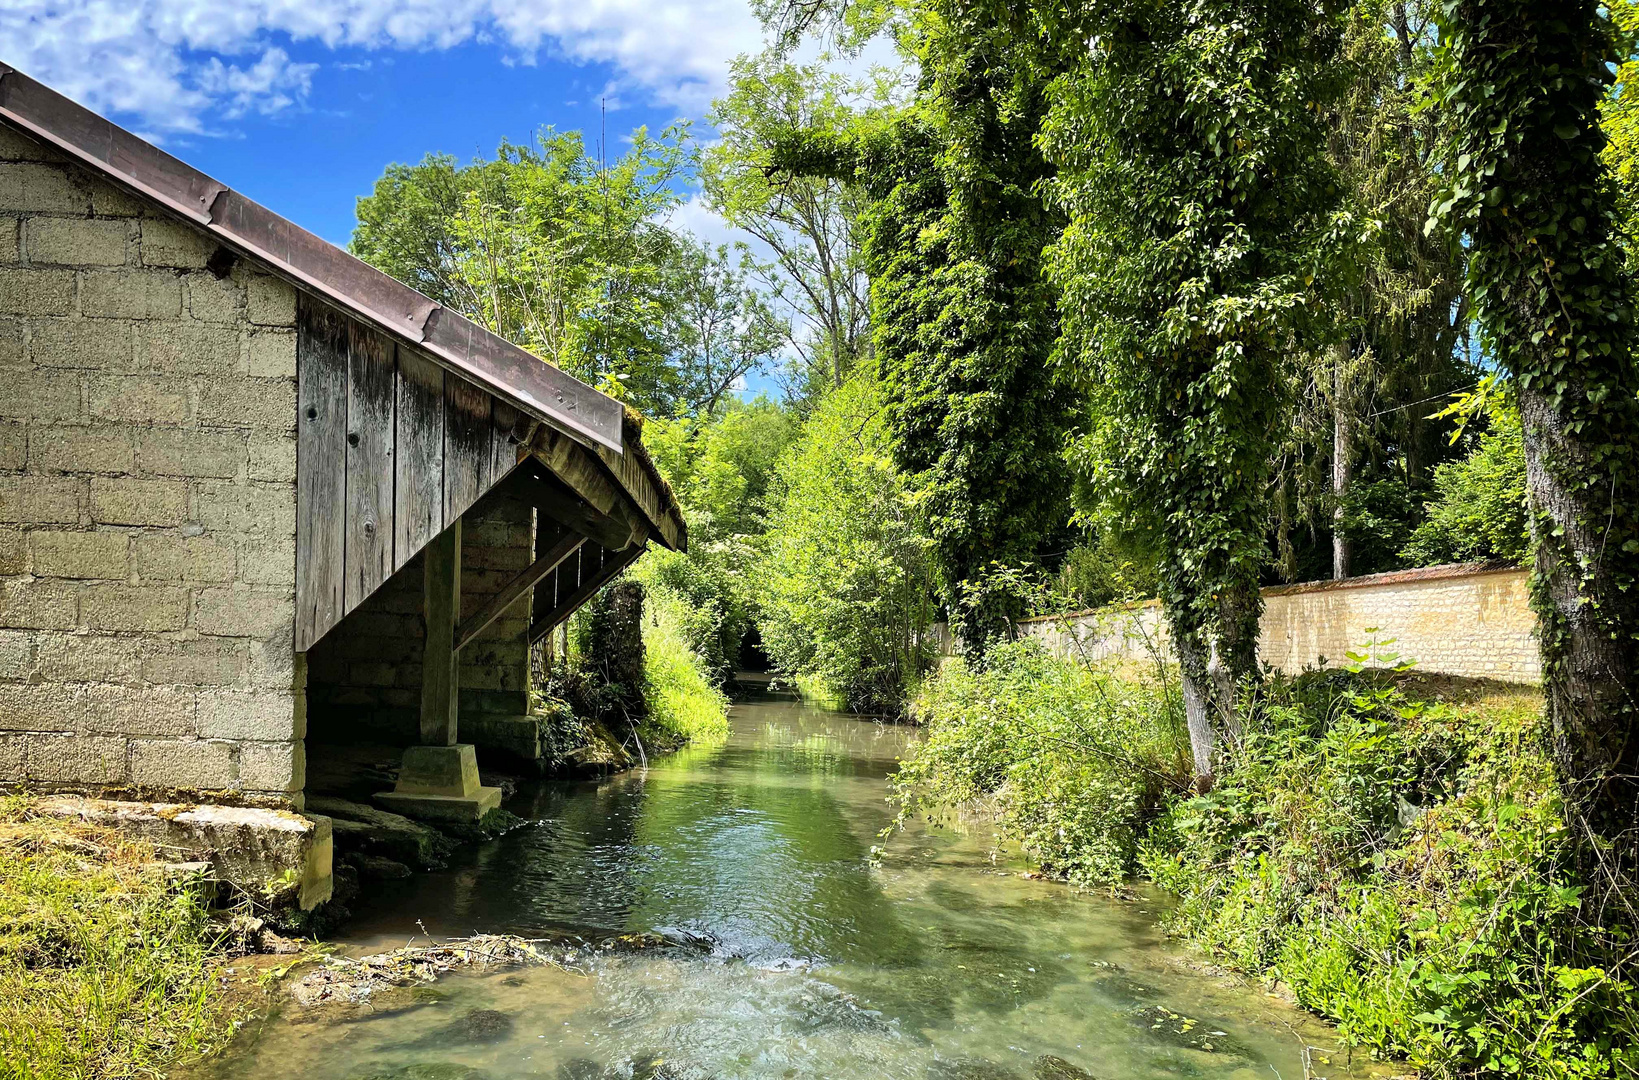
1470,619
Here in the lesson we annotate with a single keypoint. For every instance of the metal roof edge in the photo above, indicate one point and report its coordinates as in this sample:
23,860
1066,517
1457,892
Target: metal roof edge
522,378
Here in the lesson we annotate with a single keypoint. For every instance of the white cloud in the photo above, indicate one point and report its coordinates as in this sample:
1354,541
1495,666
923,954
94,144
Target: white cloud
174,64
693,216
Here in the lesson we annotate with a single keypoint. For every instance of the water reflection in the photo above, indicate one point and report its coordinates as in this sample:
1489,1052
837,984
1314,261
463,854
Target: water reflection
937,963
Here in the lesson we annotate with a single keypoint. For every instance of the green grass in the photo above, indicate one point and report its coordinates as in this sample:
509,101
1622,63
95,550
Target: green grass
684,705
106,970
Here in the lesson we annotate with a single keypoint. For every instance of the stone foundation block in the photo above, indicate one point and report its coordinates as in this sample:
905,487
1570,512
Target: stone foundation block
256,851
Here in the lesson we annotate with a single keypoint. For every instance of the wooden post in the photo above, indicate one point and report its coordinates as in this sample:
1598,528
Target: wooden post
440,666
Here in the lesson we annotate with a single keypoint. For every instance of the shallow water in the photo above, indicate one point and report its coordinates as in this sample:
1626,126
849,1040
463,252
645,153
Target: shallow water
799,956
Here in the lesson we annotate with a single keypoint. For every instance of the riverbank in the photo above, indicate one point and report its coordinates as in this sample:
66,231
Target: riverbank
111,962
1388,849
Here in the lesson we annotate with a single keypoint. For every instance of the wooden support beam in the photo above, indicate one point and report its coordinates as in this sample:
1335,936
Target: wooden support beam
441,664
470,628
537,485
615,562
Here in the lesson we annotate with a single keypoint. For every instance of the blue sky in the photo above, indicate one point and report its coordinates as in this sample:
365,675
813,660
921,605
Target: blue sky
301,103
310,163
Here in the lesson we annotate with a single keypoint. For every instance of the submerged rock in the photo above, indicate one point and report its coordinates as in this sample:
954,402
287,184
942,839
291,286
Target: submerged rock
424,1070
581,1069
378,867
1049,1067
480,1025
370,831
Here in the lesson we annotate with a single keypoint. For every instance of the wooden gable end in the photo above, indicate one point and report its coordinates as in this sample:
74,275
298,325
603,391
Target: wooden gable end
390,449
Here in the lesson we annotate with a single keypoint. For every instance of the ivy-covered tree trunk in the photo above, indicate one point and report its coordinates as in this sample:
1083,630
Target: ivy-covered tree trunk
964,319
1200,706
1523,82
1193,174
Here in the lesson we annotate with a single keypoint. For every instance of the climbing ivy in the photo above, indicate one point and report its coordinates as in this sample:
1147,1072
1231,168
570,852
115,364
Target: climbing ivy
1191,166
964,319
1523,81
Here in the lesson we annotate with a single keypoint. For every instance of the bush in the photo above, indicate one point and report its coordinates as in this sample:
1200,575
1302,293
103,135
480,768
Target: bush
684,704
845,569
1073,761
1405,869
1478,510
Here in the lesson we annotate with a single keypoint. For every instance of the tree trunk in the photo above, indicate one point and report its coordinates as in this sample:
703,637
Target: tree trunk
1342,458
1589,663
1199,697
1547,270
1235,654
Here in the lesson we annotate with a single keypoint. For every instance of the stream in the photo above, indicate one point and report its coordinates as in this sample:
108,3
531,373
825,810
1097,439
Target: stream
793,953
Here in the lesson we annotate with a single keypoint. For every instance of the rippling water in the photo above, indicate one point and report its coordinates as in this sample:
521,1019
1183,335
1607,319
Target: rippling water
801,957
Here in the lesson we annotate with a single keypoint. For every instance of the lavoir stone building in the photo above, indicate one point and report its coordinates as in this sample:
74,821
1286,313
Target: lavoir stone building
256,495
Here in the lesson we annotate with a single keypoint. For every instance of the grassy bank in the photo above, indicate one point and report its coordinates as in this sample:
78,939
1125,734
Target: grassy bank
1392,850
106,966
684,705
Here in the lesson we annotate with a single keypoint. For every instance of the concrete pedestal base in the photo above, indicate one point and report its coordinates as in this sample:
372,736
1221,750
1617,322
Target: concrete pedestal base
440,783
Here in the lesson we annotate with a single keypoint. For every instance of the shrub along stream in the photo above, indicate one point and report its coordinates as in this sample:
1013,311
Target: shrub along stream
1391,849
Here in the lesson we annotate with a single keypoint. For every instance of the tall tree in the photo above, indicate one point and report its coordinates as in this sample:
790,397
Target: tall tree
1523,81
1396,293
572,258
1193,169
964,319
810,224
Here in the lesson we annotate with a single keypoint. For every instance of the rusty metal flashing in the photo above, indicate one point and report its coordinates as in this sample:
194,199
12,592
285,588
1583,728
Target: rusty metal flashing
513,374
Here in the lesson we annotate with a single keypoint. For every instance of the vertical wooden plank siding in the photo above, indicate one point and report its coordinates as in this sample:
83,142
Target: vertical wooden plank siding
467,451
370,436
418,490
321,443
509,429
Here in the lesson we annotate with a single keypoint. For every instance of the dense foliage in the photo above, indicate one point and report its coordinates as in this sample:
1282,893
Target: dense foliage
574,260
720,468
1478,509
846,569
964,320
1074,763
1198,194
1400,862
1405,868
685,704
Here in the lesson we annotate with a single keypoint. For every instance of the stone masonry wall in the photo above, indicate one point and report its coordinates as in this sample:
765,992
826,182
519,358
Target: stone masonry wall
364,677
1470,620
147,497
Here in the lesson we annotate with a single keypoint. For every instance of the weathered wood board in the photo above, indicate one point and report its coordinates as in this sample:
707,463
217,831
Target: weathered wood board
393,448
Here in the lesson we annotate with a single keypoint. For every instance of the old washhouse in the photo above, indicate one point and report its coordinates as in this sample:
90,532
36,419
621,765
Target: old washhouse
257,495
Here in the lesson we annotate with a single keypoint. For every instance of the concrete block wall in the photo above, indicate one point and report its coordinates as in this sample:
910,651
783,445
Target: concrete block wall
147,497
364,676
1472,620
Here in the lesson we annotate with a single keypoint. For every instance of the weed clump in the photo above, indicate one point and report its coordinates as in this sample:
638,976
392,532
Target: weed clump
106,964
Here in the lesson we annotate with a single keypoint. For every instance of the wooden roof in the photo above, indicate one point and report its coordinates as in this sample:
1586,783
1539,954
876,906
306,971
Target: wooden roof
407,412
